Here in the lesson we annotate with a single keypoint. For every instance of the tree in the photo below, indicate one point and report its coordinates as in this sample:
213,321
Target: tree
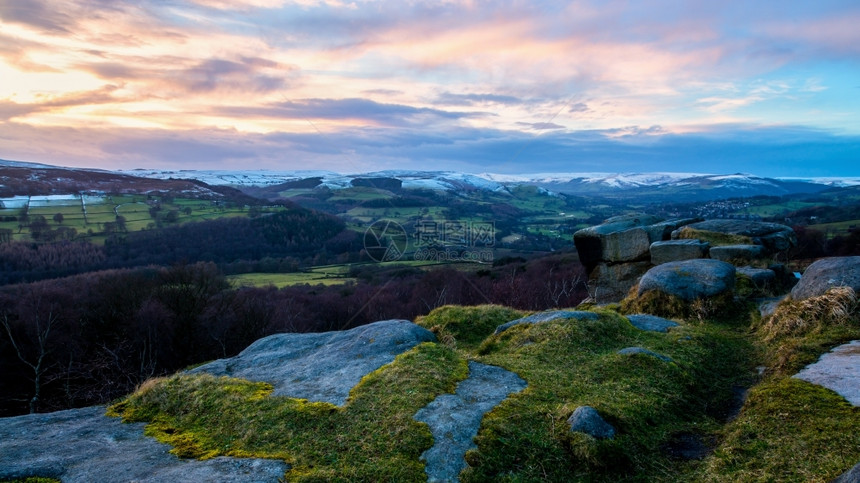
58,218
36,361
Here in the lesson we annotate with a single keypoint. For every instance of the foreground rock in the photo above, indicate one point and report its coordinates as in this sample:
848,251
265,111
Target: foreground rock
827,273
321,367
838,370
586,419
690,279
454,419
83,445
651,322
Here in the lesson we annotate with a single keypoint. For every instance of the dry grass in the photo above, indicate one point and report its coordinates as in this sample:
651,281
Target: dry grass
837,307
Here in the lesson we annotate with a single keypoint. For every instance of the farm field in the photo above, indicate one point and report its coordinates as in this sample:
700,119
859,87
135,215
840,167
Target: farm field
96,217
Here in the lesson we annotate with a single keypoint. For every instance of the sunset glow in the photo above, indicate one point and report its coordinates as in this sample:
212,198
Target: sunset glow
769,88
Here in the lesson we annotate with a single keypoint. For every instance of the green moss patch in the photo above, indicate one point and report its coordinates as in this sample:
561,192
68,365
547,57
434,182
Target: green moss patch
713,237
570,363
466,327
789,430
372,438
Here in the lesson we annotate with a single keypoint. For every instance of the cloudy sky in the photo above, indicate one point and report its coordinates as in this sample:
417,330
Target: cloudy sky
770,88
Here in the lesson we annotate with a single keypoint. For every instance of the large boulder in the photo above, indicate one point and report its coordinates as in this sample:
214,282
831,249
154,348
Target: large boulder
677,250
773,236
690,279
618,239
827,273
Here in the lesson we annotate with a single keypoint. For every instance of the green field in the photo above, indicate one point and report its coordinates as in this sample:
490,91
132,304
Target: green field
95,217
836,228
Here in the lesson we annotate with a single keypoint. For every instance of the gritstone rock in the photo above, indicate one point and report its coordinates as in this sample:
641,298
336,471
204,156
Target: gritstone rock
677,250
827,273
690,279
321,367
586,419
651,322
84,445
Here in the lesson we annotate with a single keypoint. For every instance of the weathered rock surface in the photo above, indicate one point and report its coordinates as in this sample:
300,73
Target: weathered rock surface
838,370
586,419
850,476
773,236
548,317
611,283
651,322
827,273
760,277
690,279
677,250
321,367
730,253
632,351
454,419
84,445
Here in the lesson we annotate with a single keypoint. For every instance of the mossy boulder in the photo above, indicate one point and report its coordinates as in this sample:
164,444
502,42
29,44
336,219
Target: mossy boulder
689,279
772,236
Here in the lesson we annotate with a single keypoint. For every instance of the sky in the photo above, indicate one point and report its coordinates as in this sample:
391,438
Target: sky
768,88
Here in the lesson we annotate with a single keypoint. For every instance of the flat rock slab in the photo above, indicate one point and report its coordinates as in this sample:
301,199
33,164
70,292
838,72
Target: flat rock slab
454,419
548,317
84,445
838,370
321,367
676,250
850,476
651,322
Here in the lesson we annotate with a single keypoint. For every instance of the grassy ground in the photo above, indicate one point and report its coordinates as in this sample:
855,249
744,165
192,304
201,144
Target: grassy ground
788,430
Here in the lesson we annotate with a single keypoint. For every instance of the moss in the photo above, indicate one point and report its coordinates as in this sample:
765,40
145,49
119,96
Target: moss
569,363
714,238
789,430
372,438
465,327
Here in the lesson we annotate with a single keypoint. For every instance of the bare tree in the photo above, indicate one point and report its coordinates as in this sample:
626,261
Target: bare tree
36,362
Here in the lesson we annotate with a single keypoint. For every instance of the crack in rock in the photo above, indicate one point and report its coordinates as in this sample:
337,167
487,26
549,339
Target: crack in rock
454,419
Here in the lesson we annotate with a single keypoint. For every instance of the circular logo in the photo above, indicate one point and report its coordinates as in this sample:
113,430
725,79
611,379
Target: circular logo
385,241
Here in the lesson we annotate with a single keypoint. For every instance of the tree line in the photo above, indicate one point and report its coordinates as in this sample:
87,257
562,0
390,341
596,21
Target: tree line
89,338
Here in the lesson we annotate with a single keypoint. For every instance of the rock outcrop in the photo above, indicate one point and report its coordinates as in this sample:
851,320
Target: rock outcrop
772,236
321,367
618,251
615,256
633,351
827,273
